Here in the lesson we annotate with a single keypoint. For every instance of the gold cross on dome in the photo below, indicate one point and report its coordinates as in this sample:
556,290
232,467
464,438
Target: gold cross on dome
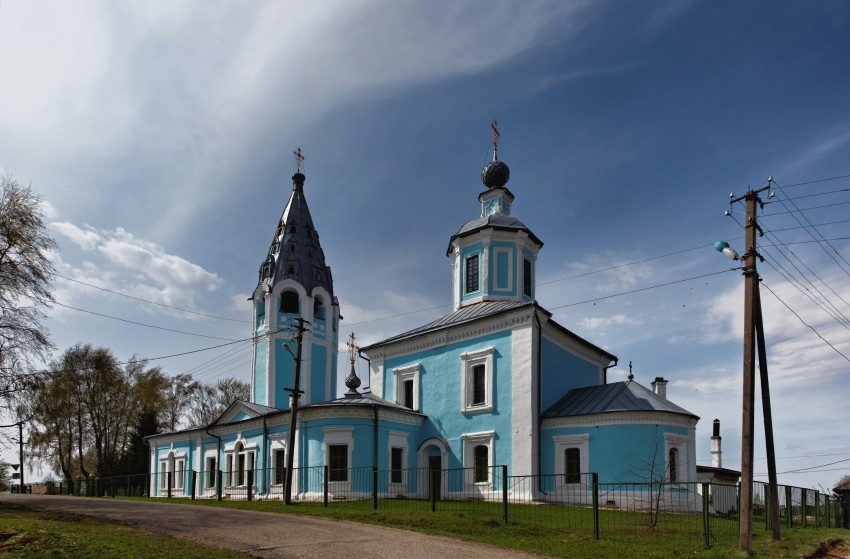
352,347
496,136
299,159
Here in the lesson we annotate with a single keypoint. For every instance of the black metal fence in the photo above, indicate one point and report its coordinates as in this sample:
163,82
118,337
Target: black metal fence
581,504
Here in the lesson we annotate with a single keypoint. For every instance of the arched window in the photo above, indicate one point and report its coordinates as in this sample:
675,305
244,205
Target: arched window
290,270
672,464
289,302
293,228
481,472
318,308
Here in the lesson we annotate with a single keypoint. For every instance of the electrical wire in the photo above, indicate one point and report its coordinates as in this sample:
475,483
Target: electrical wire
142,323
812,328
152,302
817,181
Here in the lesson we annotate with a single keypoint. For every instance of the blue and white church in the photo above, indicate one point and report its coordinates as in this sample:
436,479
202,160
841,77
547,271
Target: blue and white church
496,382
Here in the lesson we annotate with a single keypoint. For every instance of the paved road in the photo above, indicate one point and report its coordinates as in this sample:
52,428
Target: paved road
270,535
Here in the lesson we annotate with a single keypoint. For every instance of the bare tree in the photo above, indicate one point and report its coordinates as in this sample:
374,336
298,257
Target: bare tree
25,275
209,402
178,396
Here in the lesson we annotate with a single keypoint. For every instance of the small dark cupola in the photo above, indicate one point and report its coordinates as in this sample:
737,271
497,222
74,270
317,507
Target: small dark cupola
493,257
352,381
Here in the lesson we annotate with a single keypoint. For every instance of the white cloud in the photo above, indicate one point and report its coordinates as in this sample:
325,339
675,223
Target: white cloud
87,239
605,321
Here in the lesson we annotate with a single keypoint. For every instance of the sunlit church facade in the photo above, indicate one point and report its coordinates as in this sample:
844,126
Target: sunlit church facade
496,382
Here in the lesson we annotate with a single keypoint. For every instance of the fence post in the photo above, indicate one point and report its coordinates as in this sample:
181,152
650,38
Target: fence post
804,508
706,527
595,486
325,485
218,484
168,480
505,493
250,484
435,480
374,487
194,483
817,509
112,486
828,504
789,506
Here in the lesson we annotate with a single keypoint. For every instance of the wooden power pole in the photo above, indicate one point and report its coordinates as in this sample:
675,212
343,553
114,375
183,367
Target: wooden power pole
295,393
754,328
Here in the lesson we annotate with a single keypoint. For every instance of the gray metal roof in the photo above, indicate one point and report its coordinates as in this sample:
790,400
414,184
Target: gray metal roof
364,399
295,252
460,316
257,408
614,397
494,221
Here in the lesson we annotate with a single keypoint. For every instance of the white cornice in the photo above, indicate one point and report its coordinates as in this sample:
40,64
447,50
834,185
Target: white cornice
622,418
453,334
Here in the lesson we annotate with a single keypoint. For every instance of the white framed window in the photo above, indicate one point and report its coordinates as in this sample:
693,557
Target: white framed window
279,463
163,474
338,448
572,458
240,460
472,273
407,386
477,381
675,457
179,473
478,458
210,471
397,450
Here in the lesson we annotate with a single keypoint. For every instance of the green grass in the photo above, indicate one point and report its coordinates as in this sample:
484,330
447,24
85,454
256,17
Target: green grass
557,530
48,534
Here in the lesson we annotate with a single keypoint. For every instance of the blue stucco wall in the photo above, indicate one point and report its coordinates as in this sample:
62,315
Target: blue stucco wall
441,371
284,375
318,366
563,371
259,385
618,453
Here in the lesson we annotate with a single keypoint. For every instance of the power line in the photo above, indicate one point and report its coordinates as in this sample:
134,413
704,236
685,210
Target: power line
816,194
644,289
142,323
817,181
151,302
812,328
800,210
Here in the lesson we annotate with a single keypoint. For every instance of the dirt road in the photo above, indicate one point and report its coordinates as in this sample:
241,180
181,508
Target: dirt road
269,535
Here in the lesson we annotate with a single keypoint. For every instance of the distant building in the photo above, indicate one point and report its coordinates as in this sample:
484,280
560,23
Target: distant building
496,381
723,498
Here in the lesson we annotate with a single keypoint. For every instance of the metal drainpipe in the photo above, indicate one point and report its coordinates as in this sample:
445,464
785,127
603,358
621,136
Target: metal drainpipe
605,371
266,471
375,436
218,455
368,369
539,400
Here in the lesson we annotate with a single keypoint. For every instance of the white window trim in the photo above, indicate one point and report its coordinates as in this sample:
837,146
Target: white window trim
470,441
470,360
680,443
398,439
277,444
334,436
407,373
208,455
464,292
509,252
231,458
561,443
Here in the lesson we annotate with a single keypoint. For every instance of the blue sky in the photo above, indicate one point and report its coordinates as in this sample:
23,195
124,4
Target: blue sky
161,136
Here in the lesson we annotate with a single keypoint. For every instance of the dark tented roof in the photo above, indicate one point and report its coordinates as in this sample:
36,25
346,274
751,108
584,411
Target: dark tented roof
295,252
493,221
617,396
460,316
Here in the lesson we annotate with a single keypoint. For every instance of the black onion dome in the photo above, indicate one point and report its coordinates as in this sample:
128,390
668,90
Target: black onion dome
495,174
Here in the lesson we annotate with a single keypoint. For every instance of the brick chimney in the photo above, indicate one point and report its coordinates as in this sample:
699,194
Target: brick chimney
659,386
716,454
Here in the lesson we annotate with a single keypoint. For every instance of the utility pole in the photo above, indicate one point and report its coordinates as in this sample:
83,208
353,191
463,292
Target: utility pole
21,452
295,393
754,328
